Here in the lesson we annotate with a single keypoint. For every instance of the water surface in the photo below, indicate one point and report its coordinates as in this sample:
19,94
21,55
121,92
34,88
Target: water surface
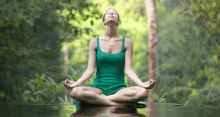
52,110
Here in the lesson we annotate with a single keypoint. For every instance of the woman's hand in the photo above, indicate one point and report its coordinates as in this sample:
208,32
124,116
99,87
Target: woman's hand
149,84
70,84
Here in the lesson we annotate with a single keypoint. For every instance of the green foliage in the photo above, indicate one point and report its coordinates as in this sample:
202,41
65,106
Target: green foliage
74,74
188,61
37,88
32,33
158,99
43,87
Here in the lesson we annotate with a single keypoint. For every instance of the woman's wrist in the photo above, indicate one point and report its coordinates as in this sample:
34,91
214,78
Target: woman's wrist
141,84
77,83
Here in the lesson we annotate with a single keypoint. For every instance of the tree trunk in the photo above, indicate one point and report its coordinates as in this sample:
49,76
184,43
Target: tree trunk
66,58
65,49
152,49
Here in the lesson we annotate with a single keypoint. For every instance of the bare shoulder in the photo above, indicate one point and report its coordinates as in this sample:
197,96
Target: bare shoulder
128,43
93,43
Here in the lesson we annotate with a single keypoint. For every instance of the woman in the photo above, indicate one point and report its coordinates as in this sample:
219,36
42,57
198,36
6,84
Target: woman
113,54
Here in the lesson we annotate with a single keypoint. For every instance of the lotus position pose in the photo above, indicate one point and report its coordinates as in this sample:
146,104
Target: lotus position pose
112,55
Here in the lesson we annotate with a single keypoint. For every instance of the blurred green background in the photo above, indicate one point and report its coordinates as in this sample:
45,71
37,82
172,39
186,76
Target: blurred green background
37,37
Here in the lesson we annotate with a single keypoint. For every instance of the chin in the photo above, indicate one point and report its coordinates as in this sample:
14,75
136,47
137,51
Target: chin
112,21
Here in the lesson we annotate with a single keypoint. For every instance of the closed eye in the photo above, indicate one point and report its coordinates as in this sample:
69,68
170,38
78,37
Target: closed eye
113,13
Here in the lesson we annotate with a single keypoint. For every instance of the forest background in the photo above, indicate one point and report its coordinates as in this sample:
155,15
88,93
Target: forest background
44,42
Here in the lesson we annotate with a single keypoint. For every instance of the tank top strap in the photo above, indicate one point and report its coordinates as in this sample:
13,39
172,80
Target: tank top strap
97,42
123,43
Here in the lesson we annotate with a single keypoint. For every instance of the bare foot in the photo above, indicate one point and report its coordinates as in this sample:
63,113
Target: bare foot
104,96
116,103
149,84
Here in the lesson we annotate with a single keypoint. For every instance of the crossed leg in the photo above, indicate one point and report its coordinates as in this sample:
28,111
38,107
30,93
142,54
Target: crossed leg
129,95
95,96
90,95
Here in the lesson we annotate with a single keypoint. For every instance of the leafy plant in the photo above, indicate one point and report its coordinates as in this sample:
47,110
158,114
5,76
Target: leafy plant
55,88
36,88
158,99
39,86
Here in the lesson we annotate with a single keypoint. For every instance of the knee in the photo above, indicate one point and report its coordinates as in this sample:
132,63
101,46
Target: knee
141,94
76,92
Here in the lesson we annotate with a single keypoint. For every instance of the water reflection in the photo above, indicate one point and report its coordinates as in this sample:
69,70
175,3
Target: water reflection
152,109
101,111
59,110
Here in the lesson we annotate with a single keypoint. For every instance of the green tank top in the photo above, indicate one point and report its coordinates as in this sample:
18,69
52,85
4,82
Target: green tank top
110,70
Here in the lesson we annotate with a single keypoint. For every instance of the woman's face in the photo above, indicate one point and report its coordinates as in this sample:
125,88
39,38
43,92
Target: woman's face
111,15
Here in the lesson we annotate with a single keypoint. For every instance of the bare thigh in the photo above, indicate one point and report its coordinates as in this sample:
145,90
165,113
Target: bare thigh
85,88
123,90
129,94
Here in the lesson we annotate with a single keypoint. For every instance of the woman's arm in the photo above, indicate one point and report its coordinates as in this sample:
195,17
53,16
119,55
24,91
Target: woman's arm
91,63
131,75
86,75
128,63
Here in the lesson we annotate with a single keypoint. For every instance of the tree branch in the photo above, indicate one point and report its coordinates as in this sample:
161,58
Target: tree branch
216,48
